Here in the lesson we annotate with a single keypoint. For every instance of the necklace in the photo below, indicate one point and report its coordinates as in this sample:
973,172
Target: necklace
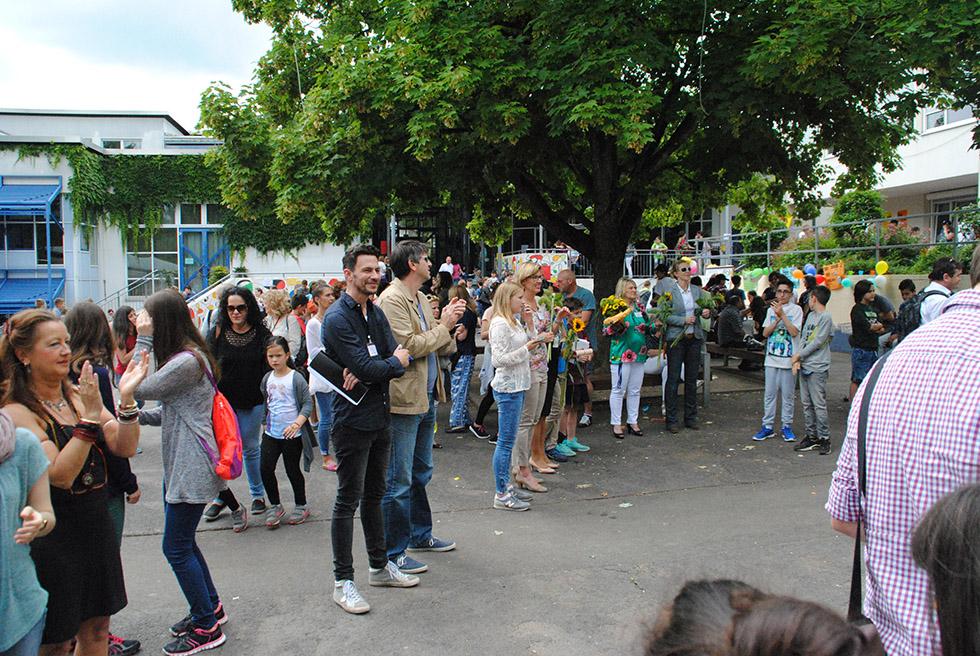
60,404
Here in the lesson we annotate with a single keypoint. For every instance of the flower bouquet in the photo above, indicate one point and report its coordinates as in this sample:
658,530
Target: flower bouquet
708,302
613,309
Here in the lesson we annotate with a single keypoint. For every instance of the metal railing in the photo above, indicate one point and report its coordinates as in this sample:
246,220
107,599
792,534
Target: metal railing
880,239
138,290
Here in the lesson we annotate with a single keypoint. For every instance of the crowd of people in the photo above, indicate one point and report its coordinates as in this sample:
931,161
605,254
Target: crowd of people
404,340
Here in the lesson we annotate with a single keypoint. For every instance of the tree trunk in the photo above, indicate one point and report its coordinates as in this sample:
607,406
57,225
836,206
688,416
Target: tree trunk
607,268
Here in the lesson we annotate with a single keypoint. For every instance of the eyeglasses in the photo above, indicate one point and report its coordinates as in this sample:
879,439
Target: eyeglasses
784,291
536,277
685,269
237,308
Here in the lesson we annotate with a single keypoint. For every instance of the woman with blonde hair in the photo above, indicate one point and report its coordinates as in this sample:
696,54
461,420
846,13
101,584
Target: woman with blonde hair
280,319
511,347
627,356
537,321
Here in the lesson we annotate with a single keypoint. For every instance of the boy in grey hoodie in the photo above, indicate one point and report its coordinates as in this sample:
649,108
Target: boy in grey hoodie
813,364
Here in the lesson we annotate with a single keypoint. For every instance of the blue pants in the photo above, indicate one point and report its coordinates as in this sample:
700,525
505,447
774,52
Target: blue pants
324,404
187,561
250,425
408,519
509,407
30,643
462,373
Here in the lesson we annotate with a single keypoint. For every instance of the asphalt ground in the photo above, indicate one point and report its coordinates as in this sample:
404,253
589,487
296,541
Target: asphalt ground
583,572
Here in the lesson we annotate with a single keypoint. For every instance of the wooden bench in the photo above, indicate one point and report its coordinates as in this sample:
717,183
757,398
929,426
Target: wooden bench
757,357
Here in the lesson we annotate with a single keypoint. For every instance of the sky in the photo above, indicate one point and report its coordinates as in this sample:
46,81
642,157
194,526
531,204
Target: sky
134,55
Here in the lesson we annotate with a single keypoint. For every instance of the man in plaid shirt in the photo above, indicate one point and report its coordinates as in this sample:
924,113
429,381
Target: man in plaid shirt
923,442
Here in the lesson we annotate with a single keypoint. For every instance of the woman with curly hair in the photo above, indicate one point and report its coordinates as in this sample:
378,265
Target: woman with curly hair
627,355
280,319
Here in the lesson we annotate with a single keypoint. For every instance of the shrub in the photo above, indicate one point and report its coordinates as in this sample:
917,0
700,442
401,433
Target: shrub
217,273
860,206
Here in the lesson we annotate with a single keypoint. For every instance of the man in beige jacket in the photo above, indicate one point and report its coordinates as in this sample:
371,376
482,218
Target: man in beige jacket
408,519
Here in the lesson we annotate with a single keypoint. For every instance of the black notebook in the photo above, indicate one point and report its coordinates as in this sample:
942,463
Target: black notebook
324,365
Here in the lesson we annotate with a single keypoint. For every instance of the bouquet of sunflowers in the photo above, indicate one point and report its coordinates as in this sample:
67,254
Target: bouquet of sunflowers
614,309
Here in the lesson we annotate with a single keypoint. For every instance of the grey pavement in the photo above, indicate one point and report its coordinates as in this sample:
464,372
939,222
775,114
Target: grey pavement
583,572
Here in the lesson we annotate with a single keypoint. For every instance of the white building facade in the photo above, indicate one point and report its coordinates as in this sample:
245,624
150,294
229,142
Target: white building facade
97,263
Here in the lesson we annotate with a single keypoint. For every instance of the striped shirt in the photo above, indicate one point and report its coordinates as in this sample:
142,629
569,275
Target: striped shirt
923,442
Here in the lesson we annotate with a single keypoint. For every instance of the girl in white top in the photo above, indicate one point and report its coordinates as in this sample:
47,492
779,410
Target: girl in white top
510,346
320,388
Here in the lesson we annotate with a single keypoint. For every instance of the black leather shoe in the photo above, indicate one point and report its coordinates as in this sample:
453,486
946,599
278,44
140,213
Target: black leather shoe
618,436
633,431
674,428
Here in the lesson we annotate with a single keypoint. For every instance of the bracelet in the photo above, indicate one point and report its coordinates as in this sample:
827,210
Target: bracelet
120,408
44,524
84,434
127,420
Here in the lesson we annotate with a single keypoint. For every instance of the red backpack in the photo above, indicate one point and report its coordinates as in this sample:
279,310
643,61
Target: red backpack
227,461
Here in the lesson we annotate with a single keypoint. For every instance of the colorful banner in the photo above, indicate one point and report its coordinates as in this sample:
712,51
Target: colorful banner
551,262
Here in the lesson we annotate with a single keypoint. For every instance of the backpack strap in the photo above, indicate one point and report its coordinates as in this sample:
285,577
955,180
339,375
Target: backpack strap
204,368
854,614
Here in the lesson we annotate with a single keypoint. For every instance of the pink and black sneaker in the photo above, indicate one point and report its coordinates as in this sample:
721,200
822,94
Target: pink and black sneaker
195,641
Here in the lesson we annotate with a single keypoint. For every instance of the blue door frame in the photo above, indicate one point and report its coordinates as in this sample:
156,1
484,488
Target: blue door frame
195,266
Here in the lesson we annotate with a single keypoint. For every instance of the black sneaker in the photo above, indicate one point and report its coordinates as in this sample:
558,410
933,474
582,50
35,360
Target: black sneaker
186,624
825,447
122,647
479,431
492,439
195,641
213,511
258,506
808,444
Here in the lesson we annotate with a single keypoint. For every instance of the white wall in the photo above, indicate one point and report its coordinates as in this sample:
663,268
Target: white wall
321,261
150,129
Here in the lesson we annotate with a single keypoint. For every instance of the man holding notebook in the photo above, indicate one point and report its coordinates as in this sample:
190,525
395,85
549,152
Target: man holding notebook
357,337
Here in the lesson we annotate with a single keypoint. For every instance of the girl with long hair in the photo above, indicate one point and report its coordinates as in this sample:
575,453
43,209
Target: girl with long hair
238,345
91,341
78,563
511,348
182,385
462,373
123,338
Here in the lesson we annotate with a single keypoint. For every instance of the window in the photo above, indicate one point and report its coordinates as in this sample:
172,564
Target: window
57,243
20,233
190,214
122,144
146,254
28,233
940,117
216,214
942,210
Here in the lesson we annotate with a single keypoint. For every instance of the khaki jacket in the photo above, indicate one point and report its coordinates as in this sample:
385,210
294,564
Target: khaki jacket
408,393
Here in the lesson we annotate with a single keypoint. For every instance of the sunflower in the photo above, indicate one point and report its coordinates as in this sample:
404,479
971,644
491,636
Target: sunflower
578,325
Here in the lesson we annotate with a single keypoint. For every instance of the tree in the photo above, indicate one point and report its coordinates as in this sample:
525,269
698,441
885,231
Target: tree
585,116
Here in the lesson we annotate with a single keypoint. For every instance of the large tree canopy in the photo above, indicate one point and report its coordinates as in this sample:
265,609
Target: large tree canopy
589,117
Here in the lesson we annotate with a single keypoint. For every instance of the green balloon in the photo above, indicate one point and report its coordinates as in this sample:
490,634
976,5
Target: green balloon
248,286
846,282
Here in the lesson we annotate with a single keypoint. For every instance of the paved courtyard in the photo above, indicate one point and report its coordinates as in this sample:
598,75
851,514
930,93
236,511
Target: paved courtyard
583,572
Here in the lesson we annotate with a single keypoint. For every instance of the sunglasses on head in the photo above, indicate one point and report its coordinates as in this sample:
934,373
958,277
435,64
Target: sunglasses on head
238,308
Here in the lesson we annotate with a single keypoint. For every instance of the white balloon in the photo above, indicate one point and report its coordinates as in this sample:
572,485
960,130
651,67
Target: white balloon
802,234
880,281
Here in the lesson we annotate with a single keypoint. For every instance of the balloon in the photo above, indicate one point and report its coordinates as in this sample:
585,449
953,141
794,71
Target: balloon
821,279
810,270
248,286
880,281
881,267
860,272
694,268
802,234
846,282
798,274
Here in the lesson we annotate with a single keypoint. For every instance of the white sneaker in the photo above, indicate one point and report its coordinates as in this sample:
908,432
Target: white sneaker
392,577
346,596
509,501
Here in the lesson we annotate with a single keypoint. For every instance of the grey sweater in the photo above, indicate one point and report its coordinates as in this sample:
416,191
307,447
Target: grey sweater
817,331
186,396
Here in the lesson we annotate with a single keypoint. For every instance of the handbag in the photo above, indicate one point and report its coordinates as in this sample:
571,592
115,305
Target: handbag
854,612
227,459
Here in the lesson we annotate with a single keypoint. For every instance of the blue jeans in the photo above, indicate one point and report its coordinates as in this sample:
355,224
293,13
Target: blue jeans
408,519
186,560
250,425
30,643
324,404
509,407
861,363
462,373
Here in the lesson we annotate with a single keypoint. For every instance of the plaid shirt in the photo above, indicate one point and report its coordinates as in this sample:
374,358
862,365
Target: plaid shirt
923,442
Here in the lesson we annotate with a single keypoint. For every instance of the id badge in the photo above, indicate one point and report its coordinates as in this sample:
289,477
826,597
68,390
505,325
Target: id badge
372,350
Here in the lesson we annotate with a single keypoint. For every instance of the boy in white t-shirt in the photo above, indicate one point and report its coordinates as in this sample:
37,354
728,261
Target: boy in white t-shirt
782,332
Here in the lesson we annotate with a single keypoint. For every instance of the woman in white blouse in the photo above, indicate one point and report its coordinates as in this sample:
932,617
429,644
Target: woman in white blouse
511,347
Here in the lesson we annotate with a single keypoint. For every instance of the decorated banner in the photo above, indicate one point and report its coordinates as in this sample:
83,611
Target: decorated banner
833,273
551,262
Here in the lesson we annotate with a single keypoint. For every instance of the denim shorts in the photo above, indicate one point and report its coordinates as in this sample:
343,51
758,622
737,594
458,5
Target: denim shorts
861,363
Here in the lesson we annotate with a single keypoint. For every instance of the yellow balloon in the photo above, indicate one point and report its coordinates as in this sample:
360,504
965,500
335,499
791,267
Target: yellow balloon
789,220
881,267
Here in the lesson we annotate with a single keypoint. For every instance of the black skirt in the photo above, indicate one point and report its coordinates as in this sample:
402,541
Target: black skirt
78,564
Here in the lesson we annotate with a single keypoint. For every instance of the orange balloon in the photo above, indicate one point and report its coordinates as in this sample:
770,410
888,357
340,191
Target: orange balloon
798,274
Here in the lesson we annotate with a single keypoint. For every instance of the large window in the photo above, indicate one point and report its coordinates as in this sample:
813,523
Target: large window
940,117
28,233
942,210
122,144
146,254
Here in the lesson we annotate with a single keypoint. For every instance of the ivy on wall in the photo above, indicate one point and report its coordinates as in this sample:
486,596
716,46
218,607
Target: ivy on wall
130,192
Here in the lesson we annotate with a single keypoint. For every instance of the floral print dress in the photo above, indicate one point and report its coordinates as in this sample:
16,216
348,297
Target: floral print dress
629,338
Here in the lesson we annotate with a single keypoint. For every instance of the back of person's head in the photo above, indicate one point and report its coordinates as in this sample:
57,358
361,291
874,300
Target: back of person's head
736,281
908,285
751,293
822,294
731,618
173,329
661,270
89,335
696,281
861,287
460,290
403,253
944,266
733,298
277,303
298,301
573,304
946,544
809,282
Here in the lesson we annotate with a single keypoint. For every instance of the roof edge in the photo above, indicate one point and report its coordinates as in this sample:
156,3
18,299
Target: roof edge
104,113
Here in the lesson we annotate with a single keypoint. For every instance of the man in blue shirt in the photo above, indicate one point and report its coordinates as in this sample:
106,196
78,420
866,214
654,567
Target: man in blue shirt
568,285
356,335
